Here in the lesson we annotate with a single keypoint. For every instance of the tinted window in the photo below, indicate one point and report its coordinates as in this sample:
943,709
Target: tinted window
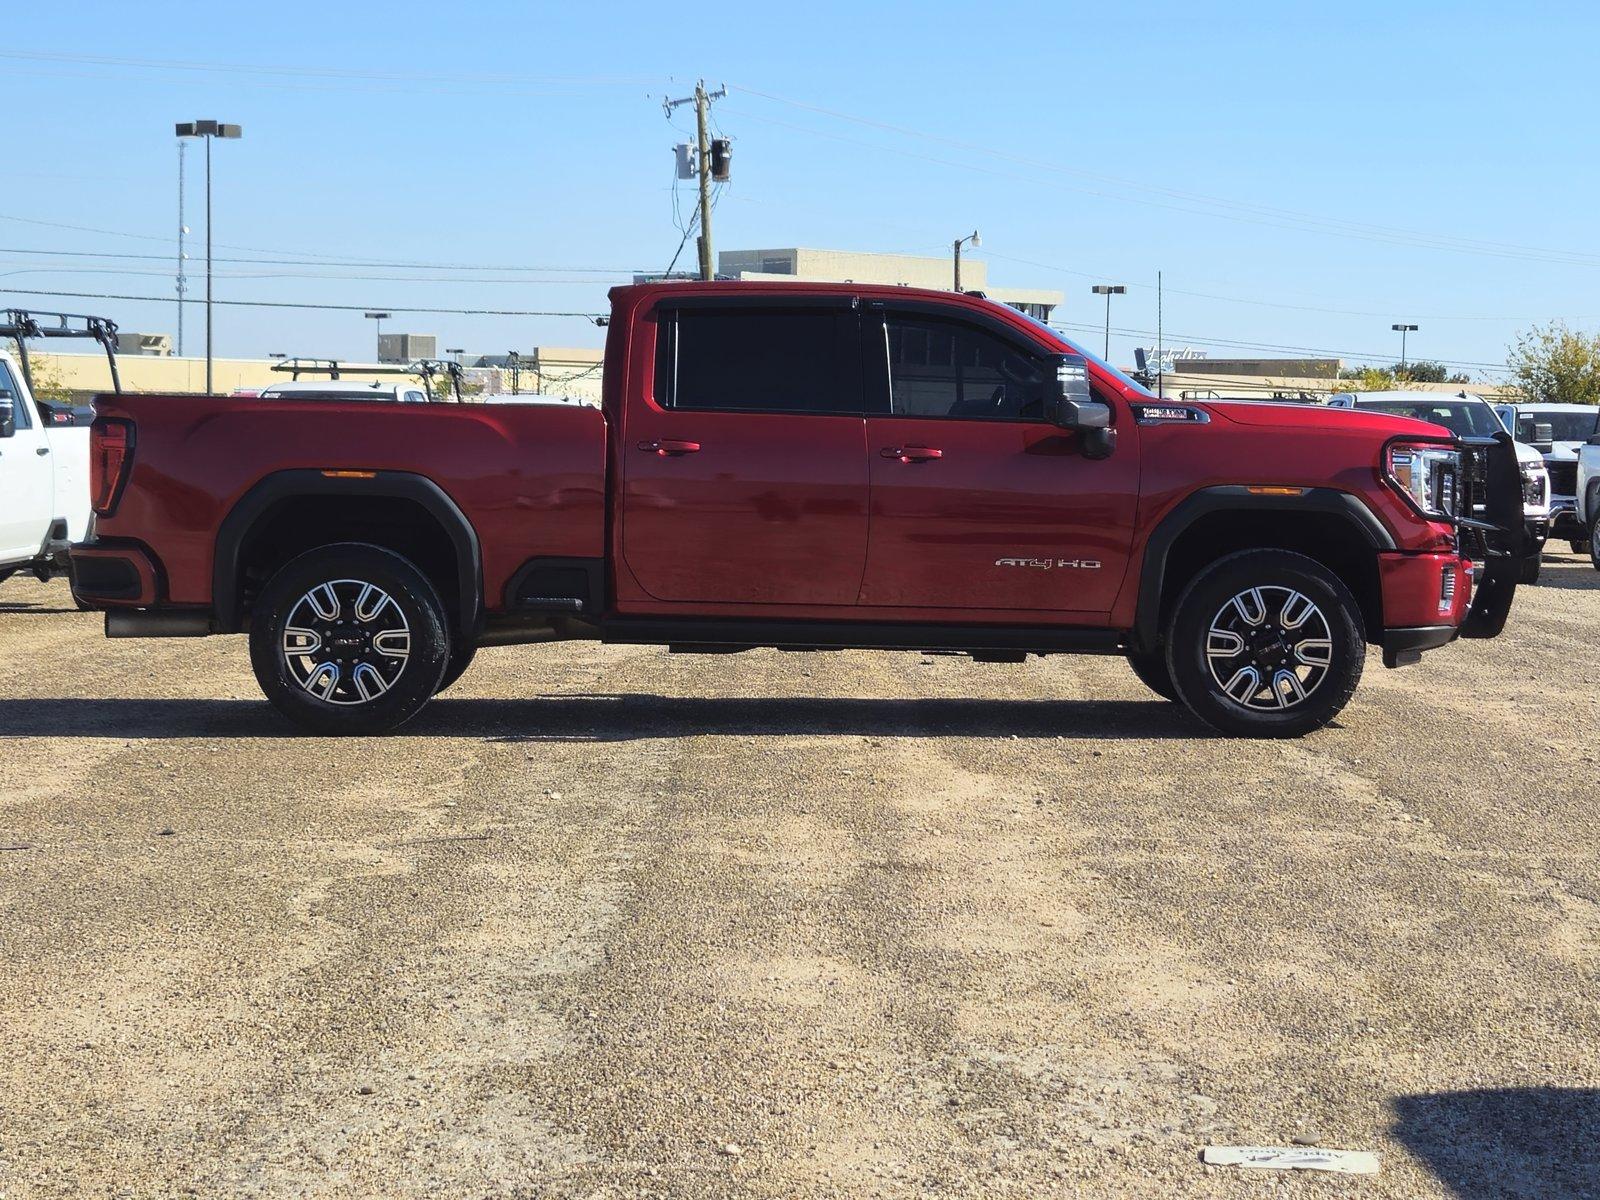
20,413
757,359
1464,418
947,369
1564,426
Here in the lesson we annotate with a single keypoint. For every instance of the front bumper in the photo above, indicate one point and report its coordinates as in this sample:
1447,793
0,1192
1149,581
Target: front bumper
1564,521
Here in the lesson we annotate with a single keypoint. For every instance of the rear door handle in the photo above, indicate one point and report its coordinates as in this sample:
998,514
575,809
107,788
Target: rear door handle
42,450
666,447
911,454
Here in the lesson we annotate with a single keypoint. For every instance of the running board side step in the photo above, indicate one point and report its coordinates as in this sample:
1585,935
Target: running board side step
704,633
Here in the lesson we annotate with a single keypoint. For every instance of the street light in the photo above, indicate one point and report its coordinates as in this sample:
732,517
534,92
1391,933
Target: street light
976,241
209,130
1402,330
1108,290
458,352
378,319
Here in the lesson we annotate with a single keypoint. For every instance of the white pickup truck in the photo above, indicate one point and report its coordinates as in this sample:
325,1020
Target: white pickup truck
1588,497
44,478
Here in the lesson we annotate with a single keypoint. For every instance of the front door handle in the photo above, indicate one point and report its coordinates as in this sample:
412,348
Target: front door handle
911,454
666,447
42,450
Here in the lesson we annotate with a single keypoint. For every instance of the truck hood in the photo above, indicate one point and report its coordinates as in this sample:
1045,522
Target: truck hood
1313,417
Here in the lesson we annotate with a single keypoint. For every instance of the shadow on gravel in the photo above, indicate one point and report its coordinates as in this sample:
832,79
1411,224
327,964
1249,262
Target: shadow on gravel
34,610
1572,577
1541,1141
620,718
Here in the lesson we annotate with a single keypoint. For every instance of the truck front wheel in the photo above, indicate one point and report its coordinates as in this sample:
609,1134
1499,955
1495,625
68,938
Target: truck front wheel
1266,643
349,639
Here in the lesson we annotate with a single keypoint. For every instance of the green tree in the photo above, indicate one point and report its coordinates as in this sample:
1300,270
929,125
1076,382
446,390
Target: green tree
48,385
1366,379
1421,371
1551,364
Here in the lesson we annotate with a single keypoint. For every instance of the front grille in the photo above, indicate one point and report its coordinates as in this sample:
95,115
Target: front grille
1474,487
1563,478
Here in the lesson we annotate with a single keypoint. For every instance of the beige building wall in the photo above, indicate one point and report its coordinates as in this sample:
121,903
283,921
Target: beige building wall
555,370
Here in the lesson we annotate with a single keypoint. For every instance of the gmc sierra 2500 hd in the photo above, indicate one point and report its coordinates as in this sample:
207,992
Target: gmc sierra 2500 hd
805,466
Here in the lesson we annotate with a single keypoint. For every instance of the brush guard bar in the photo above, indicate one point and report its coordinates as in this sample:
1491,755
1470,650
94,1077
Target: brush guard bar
1491,529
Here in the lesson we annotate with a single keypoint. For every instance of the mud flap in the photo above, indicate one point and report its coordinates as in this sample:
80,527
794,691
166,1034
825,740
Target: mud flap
1491,599
1505,540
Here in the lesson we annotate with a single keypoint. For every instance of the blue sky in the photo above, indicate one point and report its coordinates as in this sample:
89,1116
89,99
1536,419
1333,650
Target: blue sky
1302,178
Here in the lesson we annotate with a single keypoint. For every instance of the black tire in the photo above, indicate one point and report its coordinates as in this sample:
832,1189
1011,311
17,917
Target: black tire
1529,571
1580,545
393,654
1283,642
1152,672
1594,543
461,655
6,573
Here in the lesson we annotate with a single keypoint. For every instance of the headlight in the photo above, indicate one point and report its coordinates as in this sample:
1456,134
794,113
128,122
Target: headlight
1425,474
1535,486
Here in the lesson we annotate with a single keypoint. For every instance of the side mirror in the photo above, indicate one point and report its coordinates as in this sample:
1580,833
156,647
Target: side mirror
1072,406
1543,431
8,414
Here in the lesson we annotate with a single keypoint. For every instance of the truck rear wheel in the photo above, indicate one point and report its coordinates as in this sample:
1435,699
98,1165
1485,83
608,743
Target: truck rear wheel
1266,643
1152,672
1594,542
349,639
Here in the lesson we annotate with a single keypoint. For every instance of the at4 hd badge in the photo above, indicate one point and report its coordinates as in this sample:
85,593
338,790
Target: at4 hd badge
1048,564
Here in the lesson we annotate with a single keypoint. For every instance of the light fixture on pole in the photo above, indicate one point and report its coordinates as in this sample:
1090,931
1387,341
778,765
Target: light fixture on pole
456,353
210,131
1402,330
976,241
1109,290
378,318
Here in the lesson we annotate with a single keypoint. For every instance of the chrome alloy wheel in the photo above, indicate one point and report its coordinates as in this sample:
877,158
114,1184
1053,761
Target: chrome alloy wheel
346,641
1269,648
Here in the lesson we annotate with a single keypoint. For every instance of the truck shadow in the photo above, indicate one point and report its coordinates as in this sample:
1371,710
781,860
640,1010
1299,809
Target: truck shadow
1537,1141
626,717
1574,576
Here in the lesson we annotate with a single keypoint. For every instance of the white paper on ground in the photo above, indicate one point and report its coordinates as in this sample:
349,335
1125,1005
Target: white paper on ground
1292,1158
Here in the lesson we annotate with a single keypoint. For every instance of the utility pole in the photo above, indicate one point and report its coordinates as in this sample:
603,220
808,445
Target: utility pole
702,106
183,283
976,241
210,131
1161,382
712,161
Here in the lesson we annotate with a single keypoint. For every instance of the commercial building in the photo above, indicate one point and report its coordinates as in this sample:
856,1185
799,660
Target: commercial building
902,270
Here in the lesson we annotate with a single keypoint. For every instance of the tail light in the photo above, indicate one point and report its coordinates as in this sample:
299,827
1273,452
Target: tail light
110,457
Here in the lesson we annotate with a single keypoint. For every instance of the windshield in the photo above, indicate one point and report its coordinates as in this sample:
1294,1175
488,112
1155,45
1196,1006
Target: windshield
1121,377
1464,418
1564,426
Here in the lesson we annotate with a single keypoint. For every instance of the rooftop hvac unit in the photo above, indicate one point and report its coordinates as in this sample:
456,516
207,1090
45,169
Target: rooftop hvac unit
407,347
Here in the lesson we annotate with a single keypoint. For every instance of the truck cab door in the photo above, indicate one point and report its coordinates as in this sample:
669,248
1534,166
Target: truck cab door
27,492
978,503
743,460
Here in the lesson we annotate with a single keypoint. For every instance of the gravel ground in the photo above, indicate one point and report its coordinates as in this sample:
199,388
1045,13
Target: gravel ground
606,922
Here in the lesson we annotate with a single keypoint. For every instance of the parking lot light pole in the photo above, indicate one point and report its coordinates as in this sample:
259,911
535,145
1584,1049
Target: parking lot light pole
378,318
210,131
1402,330
1108,290
976,241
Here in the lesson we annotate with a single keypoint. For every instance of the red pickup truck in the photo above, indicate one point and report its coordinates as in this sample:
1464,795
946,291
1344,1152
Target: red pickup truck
804,466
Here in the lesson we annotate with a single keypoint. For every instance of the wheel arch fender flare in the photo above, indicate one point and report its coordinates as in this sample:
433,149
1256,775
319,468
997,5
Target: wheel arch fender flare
291,484
1205,502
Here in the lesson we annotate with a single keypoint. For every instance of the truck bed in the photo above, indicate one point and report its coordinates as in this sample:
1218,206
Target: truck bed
530,478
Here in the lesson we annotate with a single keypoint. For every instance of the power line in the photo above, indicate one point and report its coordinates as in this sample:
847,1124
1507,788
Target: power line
463,312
